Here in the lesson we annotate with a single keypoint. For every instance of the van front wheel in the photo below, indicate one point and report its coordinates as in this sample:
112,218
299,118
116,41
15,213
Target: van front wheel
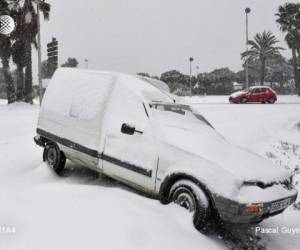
54,157
188,195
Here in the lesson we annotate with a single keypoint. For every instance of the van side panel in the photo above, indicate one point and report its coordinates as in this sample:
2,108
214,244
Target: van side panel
73,108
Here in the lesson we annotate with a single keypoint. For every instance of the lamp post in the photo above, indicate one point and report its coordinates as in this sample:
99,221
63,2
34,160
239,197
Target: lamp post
247,11
39,52
86,63
298,80
191,60
197,71
38,3
198,83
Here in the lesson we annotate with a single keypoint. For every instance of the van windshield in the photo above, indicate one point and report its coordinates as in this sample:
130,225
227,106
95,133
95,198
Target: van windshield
184,110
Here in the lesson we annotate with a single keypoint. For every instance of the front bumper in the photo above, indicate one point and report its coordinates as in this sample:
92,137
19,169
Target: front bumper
234,212
40,141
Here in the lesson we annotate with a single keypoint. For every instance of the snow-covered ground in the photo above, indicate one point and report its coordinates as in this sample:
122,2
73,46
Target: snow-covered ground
222,99
82,210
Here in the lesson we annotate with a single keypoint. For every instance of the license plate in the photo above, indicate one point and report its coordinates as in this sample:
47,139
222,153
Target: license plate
279,205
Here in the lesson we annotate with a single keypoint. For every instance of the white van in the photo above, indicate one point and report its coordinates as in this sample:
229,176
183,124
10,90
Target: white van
132,131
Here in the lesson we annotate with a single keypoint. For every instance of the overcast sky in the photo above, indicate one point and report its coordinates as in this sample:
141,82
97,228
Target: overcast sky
156,35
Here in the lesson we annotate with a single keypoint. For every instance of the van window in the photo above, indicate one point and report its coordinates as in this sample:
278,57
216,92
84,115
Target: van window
126,107
184,110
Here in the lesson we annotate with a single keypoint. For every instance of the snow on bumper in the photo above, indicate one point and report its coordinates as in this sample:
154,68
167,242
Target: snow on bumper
261,207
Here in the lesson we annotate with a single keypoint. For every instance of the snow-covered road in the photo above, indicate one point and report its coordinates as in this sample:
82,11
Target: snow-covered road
82,210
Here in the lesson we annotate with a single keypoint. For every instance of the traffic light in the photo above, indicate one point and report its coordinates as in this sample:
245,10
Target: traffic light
52,53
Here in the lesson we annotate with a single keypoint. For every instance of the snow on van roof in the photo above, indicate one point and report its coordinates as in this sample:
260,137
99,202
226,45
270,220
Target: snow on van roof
162,86
157,83
144,89
77,93
78,99
147,90
83,94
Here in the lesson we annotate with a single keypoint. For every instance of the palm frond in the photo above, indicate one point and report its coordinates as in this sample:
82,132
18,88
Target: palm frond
45,8
262,46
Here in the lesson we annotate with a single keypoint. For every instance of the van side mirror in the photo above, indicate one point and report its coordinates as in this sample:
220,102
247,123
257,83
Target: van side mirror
127,129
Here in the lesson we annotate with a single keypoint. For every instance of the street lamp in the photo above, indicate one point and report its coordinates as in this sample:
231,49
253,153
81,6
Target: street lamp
247,11
38,3
191,60
86,63
198,83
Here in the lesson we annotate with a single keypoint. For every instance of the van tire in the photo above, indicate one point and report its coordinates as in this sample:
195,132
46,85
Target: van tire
54,157
187,194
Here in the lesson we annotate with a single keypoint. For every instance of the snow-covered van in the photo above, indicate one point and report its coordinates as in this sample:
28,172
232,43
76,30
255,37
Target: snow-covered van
132,131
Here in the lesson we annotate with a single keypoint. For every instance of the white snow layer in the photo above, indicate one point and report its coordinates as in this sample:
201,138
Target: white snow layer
190,134
83,211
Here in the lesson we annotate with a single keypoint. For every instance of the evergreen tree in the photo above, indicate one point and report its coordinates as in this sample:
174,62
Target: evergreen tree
289,20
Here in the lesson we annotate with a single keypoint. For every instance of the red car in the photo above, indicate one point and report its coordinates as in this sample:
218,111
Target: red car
260,94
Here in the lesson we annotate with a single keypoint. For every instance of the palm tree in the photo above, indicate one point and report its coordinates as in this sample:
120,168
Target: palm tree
18,56
5,53
25,36
18,48
262,48
289,20
293,42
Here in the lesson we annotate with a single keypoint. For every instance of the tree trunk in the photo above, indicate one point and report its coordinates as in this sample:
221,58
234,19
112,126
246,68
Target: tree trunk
298,72
28,74
295,66
262,72
281,87
20,83
10,88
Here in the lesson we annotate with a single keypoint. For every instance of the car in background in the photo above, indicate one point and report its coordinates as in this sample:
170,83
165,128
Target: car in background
256,94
